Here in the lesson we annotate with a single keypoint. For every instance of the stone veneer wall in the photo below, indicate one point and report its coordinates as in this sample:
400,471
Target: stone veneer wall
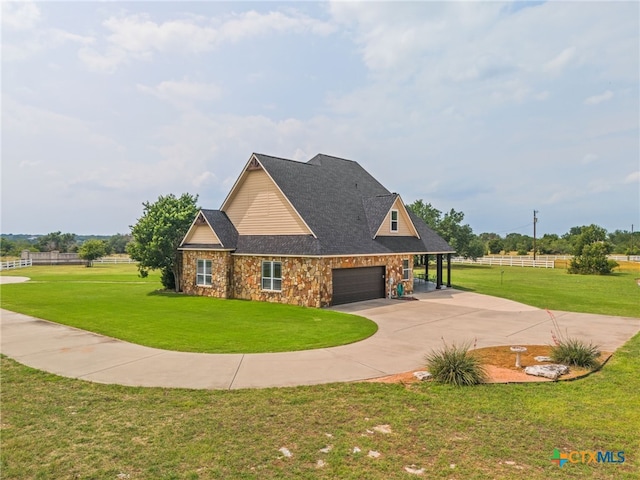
393,269
221,265
301,280
306,281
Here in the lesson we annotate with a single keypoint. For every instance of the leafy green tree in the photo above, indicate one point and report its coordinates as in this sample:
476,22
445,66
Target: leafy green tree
92,250
624,242
429,214
6,247
118,243
57,241
495,246
450,228
590,252
518,243
158,233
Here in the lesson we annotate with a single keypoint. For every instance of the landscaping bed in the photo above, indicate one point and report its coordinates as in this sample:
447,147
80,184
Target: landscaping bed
499,363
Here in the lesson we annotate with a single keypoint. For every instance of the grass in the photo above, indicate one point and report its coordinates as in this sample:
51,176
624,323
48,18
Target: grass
58,428
114,301
555,289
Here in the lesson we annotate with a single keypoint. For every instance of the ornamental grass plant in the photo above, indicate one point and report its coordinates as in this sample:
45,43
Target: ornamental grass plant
575,352
571,351
455,365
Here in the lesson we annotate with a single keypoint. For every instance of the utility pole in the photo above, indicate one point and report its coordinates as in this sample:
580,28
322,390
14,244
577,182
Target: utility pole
535,220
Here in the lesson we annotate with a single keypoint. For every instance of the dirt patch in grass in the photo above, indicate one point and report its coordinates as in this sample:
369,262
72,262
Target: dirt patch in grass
500,365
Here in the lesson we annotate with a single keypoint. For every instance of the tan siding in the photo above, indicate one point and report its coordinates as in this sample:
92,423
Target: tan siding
258,208
405,227
202,234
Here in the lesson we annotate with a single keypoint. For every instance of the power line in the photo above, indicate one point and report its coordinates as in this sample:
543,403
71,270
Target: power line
514,229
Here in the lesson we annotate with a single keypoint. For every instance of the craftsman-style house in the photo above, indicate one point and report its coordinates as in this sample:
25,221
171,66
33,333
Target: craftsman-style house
319,233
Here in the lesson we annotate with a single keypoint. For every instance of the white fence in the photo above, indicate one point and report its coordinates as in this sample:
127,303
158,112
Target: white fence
115,260
506,261
15,264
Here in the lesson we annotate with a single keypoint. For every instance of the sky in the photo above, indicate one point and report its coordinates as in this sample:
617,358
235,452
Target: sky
492,109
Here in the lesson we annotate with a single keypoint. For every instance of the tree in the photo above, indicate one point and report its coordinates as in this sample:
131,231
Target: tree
118,243
91,250
429,214
158,233
495,246
57,241
590,252
450,228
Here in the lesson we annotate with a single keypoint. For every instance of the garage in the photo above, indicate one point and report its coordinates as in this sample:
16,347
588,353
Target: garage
357,284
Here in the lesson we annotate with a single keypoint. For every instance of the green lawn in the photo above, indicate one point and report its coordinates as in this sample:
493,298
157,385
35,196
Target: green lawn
58,428
617,294
114,301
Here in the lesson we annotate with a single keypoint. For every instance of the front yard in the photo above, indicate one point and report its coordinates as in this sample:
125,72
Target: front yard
114,301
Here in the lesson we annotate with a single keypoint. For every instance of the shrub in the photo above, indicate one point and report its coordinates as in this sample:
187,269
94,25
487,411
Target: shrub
454,365
572,351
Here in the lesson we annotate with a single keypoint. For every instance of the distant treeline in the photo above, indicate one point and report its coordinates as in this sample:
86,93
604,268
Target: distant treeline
12,245
621,241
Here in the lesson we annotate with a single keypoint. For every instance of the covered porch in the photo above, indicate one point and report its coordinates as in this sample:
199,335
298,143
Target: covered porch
432,278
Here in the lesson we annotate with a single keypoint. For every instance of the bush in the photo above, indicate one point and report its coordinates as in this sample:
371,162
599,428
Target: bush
572,351
454,365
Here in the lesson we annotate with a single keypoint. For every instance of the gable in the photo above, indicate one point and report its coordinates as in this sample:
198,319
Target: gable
201,233
256,206
405,225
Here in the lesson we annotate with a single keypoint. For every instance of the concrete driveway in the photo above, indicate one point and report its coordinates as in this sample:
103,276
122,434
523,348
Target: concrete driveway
408,330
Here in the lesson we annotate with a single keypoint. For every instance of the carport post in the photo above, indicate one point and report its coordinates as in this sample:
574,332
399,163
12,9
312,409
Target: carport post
438,271
426,268
448,270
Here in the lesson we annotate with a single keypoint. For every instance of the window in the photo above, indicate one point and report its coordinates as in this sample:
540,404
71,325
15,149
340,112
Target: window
406,270
272,276
394,220
203,273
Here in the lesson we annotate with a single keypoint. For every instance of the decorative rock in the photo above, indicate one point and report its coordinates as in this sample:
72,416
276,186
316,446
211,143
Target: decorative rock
422,375
552,371
414,470
356,450
382,428
286,452
373,454
326,449
542,358
320,463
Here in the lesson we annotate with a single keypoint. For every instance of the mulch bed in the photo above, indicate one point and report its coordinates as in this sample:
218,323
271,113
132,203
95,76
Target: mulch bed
499,362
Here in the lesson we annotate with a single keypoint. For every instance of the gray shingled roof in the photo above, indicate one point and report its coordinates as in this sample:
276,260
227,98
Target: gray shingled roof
224,229
342,204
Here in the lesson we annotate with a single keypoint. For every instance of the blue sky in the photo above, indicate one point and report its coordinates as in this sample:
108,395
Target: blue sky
493,109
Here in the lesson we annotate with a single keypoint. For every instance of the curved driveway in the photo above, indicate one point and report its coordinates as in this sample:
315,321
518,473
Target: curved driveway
407,331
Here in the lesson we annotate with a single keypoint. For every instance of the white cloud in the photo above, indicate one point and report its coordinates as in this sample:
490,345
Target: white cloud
20,15
596,99
633,177
138,37
560,61
184,92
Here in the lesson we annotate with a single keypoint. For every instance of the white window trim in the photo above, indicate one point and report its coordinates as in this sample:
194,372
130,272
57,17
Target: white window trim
204,275
391,221
406,272
271,278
